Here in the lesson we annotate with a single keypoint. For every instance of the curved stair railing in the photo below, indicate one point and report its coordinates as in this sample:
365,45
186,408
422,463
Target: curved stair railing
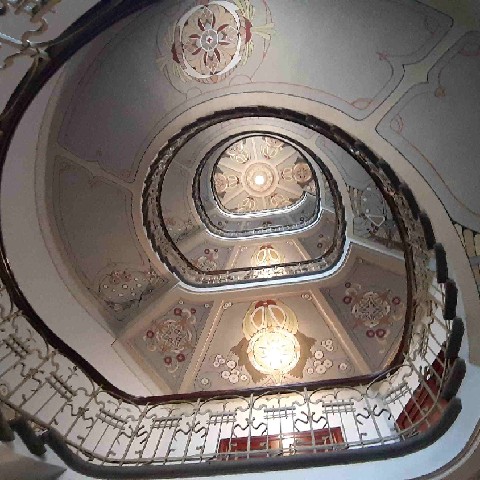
58,400
166,247
290,219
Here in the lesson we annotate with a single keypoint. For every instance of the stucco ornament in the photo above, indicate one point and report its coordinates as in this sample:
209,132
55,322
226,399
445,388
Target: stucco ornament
267,255
124,288
372,308
208,261
173,336
213,38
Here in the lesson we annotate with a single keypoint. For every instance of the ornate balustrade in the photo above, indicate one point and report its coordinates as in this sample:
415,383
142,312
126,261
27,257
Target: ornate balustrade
299,216
59,399
166,247
102,432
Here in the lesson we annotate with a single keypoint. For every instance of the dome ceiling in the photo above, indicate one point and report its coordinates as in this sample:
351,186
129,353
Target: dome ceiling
203,229
261,175
180,205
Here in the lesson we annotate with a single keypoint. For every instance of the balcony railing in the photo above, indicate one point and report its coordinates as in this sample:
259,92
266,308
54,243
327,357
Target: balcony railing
60,400
99,431
166,247
299,216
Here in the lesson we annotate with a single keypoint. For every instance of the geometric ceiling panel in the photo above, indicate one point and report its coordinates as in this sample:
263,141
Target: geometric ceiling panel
93,227
308,348
166,345
435,147
371,305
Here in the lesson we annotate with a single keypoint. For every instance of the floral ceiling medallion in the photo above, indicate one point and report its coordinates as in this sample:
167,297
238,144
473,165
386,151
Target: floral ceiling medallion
124,288
262,174
371,307
213,38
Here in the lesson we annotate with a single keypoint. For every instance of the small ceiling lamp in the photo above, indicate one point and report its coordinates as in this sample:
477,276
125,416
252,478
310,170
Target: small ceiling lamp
270,327
259,180
266,256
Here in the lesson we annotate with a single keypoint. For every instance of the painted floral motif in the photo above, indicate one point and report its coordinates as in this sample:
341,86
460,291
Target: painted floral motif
208,261
231,371
213,38
174,336
247,205
267,255
239,151
271,147
278,200
122,289
319,362
300,173
178,227
373,310
224,182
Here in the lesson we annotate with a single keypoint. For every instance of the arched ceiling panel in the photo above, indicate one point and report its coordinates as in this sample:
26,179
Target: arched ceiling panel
435,125
137,81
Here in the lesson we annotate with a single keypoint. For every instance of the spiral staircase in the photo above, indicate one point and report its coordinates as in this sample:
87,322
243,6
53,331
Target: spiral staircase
239,237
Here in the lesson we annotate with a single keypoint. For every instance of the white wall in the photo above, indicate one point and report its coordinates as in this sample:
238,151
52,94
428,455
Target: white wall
32,266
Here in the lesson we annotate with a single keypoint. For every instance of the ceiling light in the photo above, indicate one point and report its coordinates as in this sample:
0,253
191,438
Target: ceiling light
259,179
270,327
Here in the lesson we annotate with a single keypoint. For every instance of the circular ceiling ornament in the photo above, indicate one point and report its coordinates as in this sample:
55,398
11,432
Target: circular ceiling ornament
260,179
274,352
210,40
371,308
302,173
261,174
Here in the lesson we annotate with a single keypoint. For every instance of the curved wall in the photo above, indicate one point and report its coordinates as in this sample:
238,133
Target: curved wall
376,111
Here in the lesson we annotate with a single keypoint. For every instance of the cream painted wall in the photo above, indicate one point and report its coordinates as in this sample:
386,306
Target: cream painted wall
32,266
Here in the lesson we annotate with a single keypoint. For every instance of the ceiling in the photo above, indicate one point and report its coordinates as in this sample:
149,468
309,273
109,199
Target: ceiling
260,175
122,98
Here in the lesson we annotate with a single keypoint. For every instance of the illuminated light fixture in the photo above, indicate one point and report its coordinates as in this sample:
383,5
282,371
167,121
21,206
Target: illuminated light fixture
259,180
266,256
270,328
275,352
